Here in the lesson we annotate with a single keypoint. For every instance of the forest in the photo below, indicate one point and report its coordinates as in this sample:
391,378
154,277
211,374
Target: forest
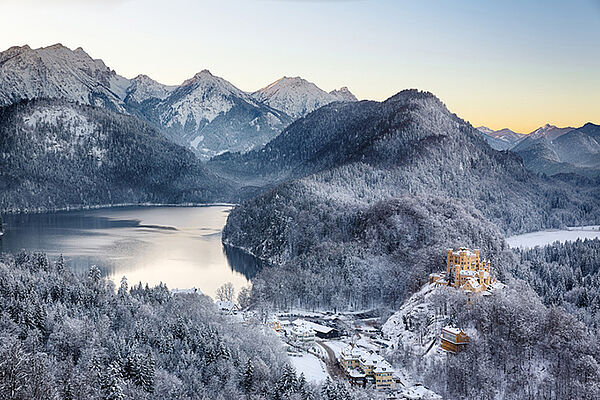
56,154
518,349
567,275
65,336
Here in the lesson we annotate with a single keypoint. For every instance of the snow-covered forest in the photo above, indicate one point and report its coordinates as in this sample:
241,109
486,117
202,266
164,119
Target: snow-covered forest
56,154
566,275
519,349
65,336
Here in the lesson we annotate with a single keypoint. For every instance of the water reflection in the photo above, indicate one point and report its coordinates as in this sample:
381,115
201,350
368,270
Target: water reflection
180,246
242,262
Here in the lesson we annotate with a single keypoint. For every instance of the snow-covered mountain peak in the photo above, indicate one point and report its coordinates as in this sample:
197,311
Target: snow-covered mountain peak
143,88
343,94
294,95
549,132
58,72
484,129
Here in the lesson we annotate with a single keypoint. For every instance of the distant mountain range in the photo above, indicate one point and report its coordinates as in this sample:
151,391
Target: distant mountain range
552,150
205,113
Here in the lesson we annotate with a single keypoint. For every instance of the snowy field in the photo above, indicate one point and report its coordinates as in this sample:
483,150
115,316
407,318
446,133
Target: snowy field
543,238
313,368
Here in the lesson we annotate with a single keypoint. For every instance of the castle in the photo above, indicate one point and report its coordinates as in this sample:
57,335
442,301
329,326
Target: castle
465,270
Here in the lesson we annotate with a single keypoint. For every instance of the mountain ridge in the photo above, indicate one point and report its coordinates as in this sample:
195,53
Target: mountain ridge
206,113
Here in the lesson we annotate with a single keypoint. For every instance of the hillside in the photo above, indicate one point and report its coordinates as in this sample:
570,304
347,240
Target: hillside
373,190
518,347
57,154
571,151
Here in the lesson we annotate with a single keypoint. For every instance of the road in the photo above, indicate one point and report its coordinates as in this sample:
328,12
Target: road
331,363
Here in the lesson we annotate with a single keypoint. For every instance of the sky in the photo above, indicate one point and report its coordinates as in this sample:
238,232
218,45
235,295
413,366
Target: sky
516,64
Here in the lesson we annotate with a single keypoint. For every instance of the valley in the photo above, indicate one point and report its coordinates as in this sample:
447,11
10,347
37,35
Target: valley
287,242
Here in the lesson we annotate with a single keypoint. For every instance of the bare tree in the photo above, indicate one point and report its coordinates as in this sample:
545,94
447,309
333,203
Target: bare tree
226,292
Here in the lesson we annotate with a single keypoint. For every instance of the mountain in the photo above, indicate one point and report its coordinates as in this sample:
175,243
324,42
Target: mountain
496,144
143,88
57,154
552,150
210,116
502,139
343,94
58,72
360,192
550,132
205,113
298,97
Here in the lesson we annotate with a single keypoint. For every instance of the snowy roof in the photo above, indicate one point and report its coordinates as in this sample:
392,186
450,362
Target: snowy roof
302,330
352,352
452,329
384,366
473,282
468,273
371,358
225,305
313,326
356,373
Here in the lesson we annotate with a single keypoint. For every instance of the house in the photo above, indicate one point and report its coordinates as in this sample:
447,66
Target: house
303,336
383,374
362,366
321,331
356,377
227,307
453,339
350,357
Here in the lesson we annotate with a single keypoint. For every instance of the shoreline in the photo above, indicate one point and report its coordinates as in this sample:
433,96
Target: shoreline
109,206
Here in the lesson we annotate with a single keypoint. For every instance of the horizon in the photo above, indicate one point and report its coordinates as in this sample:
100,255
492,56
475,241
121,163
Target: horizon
495,73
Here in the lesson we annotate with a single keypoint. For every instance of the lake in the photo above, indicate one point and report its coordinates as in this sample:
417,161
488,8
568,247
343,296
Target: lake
543,238
179,246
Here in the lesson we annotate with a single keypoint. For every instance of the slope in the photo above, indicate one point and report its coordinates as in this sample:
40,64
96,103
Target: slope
57,154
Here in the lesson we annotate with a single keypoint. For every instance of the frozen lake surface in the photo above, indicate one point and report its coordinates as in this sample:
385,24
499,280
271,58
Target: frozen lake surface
179,246
543,238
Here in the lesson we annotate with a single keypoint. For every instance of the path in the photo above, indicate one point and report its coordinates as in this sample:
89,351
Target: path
331,361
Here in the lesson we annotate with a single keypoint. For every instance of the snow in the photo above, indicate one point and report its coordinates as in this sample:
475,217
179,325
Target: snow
144,88
311,325
546,237
201,99
417,308
419,392
336,346
297,97
313,368
343,94
196,142
58,72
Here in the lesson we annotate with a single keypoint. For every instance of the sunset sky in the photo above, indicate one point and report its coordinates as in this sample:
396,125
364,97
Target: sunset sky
515,64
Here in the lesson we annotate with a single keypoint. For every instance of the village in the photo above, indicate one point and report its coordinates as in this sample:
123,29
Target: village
353,346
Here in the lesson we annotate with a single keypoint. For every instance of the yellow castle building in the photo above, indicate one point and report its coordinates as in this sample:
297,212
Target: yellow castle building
465,270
